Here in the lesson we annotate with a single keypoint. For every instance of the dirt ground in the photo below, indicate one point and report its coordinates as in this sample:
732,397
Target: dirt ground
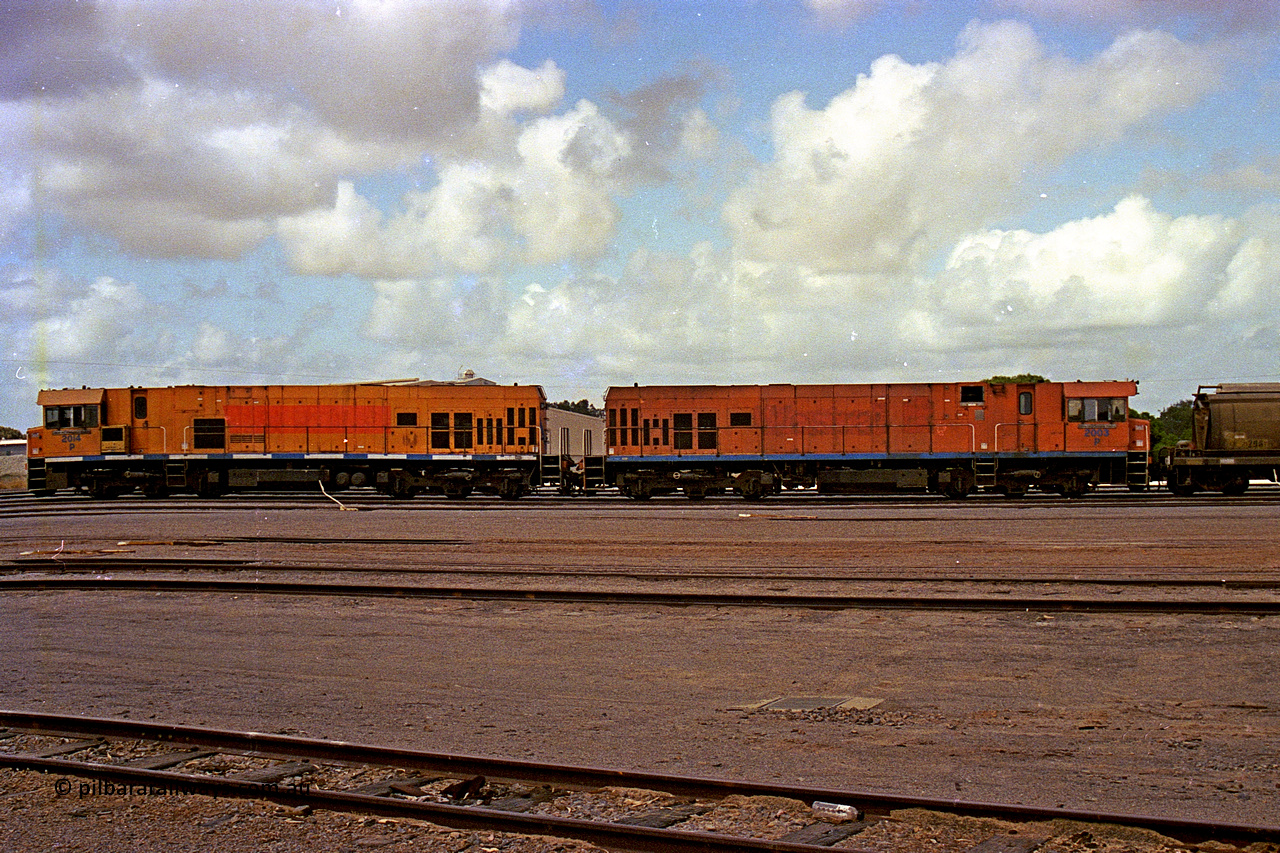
1171,715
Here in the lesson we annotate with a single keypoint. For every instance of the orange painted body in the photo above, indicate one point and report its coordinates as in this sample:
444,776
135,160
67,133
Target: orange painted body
360,419
945,437
399,438
880,419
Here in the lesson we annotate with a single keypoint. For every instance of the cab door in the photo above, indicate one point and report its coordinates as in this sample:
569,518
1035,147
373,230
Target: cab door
1026,418
139,433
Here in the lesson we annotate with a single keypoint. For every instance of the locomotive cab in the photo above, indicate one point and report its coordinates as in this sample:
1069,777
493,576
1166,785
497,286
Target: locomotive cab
71,427
72,422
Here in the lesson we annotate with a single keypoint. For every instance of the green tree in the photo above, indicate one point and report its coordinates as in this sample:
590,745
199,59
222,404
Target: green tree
582,407
9,432
1172,425
1019,379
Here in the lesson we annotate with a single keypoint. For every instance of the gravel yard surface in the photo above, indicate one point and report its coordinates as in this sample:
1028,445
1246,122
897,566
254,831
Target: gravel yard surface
1173,715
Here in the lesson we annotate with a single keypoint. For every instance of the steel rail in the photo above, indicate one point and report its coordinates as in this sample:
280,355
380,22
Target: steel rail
876,803
611,835
48,562
83,564
672,599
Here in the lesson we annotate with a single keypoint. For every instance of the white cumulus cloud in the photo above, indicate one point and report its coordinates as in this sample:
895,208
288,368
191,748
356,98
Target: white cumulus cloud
1132,267
508,88
549,199
914,156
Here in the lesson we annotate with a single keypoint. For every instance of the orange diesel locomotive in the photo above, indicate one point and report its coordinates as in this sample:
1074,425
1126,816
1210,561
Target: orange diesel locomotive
842,439
399,437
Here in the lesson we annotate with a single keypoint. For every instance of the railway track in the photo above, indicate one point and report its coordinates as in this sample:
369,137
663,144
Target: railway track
55,563
59,562
666,599
614,808
25,504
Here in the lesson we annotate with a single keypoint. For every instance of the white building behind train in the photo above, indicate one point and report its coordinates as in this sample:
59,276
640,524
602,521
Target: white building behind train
574,434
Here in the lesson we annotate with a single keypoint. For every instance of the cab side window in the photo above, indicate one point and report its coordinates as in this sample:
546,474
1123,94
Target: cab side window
71,417
1097,410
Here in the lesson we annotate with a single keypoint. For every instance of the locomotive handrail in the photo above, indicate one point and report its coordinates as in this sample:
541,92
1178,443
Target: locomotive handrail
311,439
795,435
262,435
973,434
995,435
164,436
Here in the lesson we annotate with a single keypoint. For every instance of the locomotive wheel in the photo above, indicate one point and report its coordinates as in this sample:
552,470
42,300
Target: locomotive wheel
961,485
102,491
401,490
695,493
155,490
1075,487
751,489
458,493
209,486
637,490
1235,488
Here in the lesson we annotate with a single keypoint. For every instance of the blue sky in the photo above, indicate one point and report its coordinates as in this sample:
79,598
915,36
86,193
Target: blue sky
580,194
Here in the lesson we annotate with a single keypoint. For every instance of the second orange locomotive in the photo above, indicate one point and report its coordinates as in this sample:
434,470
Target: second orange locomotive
940,437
